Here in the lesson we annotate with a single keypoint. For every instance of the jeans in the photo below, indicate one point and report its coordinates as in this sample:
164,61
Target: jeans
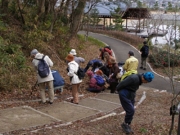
127,104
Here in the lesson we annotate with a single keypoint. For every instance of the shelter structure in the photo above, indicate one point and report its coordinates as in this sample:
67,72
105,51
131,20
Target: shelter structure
136,14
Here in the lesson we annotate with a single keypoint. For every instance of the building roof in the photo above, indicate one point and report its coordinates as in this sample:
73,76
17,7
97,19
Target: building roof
136,13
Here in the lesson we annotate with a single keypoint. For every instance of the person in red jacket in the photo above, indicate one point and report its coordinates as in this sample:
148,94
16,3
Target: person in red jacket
93,87
103,50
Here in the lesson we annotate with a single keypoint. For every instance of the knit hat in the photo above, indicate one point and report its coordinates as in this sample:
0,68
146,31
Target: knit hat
131,53
70,57
148,76
73,52
99,72
145,42
89,73
34,52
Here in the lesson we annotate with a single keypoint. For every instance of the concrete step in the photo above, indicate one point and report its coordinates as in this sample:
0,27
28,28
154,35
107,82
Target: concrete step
64,112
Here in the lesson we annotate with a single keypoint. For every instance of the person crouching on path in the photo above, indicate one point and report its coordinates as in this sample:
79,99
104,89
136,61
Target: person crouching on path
46,82
75,81
127,92
114,70
93,86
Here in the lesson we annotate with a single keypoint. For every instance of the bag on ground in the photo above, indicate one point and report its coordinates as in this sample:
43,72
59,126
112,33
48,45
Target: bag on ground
43,68
58,80
100,80
80,73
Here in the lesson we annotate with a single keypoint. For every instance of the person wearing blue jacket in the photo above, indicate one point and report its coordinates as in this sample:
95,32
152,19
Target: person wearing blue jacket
94,63
127,91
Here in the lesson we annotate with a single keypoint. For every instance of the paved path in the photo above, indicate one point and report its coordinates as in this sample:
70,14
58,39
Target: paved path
90,109
121,50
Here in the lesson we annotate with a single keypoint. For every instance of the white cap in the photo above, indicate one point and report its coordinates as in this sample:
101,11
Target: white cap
73,52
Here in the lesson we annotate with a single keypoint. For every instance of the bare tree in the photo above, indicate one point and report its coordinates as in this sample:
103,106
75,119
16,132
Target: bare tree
166,56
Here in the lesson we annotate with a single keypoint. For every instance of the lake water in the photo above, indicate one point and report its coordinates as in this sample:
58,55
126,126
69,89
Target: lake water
169,38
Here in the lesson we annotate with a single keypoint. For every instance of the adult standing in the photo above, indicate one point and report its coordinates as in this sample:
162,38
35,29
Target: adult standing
144,54
130,65
75,81
76,59
46,82
127,91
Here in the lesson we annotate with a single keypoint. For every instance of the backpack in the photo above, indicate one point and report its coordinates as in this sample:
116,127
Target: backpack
43,68
146,50
80,73
58,80
100,80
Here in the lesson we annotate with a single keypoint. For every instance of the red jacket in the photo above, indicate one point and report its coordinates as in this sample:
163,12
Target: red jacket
105,50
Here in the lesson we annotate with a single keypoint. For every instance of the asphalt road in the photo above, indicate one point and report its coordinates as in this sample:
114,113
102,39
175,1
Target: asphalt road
121,50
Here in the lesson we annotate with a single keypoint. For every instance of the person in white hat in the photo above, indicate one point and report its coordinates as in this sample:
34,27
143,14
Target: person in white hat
76,59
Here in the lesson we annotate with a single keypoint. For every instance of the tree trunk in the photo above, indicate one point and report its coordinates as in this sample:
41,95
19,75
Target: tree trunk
4,6
76,17
41,7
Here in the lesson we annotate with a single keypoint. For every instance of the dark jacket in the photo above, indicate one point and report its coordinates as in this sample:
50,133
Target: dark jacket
144,51
130,83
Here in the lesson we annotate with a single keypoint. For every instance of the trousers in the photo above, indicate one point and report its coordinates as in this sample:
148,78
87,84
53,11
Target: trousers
47,85
127,104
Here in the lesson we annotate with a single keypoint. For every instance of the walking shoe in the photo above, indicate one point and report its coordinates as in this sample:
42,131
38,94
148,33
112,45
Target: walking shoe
126,128
144,68
141,67
50,102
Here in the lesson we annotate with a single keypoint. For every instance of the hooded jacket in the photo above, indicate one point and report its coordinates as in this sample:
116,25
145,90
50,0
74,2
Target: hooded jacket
49,62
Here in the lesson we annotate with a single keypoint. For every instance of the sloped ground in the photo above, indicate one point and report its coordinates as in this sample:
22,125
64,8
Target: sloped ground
151,117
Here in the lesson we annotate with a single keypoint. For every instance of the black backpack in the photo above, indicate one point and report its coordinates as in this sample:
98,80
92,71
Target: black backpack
146,50
80,73
43,68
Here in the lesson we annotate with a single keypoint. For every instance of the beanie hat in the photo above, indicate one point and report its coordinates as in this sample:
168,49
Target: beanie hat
145,42
148,76
70,57
73,52
89,73
131,53
99,72
34,52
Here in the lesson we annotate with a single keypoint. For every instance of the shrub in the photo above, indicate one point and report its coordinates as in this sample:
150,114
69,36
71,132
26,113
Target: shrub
161,59
13,64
